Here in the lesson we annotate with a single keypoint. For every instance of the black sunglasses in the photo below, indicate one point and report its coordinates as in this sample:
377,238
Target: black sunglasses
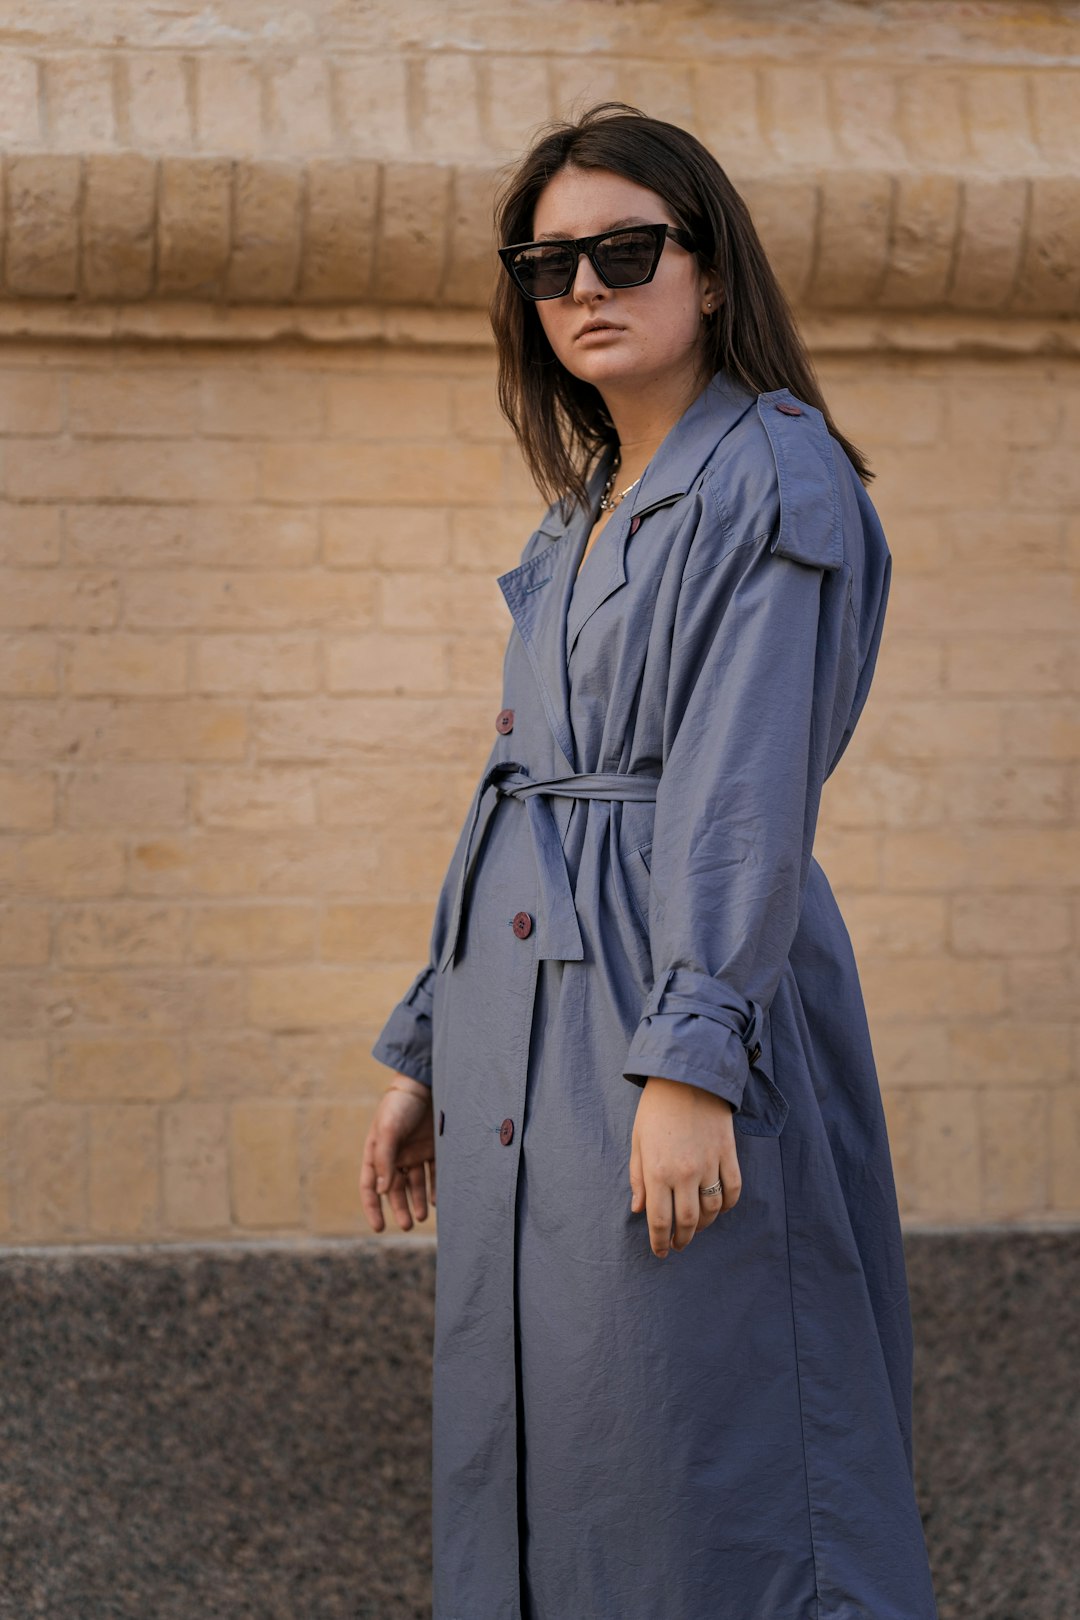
623,258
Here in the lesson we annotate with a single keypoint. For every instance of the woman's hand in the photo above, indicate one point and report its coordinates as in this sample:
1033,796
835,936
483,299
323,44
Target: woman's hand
682,1138
402,1134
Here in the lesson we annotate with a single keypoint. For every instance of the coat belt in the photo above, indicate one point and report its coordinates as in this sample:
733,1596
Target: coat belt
558,937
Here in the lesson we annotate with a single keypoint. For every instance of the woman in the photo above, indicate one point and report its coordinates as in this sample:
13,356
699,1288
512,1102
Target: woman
639,982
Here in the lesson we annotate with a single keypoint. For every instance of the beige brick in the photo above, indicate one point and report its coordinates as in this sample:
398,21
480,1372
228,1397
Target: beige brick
1013,603
1016,1152
1000,665
662,89
384,408
901,1117
245,1063
1009,924
24,1071
261,404
195,1181
926,211
897,924
339,231
145,664
475,664
577,82
194,210
80,101
1065,1149
484,538
987,250
265,1163
118,225
1043,987
30,402
115,469
940,728
226,863
448,120
911,1053
117,1070
865,109
61,864
265,259
1053,111
131,404
515,99
41,255
910,666
378,663
126,796
930,986
449,602
20,121
139,730
333,729
260,799
272,665
415,206
1012,1054
1042,729
124,1172
229,103
998,126
147,537
299,104
314,997
335,1135
401,537
382,473
158,105
120,932
271,600
27,801
51,1187
24,935
29,537
376,932
48,599
471,260
259,932
993,858
795,100
152,999
28,666
727,98
372,94
933,119
948,1161
1037,794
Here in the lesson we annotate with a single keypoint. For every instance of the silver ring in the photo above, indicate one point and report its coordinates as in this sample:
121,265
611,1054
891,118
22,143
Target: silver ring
717,1187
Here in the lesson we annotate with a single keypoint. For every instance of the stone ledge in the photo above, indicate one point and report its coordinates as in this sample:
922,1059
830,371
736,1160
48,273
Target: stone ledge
245,1430
125,227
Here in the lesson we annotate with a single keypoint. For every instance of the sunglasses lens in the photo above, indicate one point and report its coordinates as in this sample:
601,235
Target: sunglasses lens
543,271
626,257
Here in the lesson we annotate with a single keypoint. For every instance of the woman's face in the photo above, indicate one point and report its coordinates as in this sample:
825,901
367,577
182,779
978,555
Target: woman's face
655,330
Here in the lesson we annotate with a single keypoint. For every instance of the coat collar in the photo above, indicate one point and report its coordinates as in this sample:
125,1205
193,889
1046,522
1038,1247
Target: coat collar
538,592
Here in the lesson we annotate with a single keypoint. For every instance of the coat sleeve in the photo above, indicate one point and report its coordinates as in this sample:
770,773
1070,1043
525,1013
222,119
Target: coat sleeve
764,672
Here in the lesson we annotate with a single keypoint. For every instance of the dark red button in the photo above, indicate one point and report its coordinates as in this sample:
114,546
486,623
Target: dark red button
522,924
634,521
504,720
506,1132
754,1052
442,1121
789,410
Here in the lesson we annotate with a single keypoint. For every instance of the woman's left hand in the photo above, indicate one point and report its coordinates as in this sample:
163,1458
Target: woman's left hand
683,1140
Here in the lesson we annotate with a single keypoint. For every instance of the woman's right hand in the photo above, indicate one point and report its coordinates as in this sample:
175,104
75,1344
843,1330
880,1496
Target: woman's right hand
401,1134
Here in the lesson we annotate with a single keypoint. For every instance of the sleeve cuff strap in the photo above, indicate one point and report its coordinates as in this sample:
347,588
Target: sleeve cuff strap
404,1041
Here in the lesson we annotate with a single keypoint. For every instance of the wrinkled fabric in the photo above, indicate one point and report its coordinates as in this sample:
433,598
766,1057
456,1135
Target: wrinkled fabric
725,1432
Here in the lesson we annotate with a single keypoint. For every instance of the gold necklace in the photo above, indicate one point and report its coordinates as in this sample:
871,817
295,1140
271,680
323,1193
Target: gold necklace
607,504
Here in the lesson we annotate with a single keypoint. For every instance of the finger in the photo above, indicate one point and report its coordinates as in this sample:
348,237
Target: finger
418,1191
637,1183
431,1178
659,1209
398,1199
730,1173
687,1207
369,1198
710,1203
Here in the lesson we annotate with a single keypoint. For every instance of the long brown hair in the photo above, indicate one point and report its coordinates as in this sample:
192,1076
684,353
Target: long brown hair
561,423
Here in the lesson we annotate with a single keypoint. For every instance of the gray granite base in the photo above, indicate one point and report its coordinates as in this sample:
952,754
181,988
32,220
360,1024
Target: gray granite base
243,1433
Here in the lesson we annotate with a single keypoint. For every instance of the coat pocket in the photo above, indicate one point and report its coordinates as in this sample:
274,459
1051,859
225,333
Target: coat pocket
638,879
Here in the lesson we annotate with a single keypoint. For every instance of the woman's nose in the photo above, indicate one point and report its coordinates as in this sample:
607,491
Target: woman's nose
586,282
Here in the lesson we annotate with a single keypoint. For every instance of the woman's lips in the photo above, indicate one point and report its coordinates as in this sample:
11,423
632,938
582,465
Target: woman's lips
599,331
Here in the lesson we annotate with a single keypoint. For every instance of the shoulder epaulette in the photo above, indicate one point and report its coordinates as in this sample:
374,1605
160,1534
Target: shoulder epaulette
811,525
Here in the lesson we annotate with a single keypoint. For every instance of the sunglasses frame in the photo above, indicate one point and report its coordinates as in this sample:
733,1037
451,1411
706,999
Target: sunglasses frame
587,245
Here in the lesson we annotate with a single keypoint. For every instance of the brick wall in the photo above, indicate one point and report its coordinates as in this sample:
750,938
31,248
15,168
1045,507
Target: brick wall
250,636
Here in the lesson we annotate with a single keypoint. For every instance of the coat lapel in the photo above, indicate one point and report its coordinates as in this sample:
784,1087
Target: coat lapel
538,592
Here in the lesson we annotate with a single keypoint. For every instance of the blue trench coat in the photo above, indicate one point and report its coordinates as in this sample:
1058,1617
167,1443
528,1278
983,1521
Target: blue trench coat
723,1434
